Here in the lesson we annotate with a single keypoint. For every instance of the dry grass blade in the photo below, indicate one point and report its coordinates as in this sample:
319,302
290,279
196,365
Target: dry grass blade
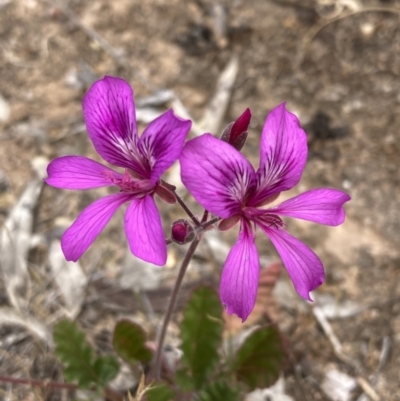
182,112
69,277
140,392
338,349
11,317
216,110
214,114
220,24
15,238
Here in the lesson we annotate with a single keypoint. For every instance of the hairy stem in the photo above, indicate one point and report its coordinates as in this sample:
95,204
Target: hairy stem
205,217
187,210
171,306
210,222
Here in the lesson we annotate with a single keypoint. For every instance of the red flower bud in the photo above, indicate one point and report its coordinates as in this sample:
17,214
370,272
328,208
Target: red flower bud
235,133
182,232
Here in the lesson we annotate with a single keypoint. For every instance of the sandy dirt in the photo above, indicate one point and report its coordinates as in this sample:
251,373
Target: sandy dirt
337,66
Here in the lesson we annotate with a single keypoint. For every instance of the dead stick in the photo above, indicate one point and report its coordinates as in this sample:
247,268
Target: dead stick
337,348
38,383
367,388
110,393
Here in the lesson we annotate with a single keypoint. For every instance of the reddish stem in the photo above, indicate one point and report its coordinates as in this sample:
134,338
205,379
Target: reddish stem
171,306
38,383
110,393
187,210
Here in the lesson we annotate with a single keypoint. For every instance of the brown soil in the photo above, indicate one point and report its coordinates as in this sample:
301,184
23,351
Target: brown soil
337,68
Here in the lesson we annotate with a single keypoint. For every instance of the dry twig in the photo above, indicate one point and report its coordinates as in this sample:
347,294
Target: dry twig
338,349
312,33
382,362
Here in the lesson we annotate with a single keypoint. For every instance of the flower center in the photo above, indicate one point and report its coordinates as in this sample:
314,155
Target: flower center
270,220
263,217
131,184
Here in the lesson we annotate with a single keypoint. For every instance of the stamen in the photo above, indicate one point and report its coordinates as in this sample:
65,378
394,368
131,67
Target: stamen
263,217
129,183
271,220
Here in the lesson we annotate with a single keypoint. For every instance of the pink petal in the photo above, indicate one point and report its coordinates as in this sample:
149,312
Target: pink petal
78,172
239,281
283,154
144,231
77,239
324,206
302,264
109,111
216,174
162,142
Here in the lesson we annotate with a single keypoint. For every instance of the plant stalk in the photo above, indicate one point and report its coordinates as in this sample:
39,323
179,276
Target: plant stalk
187,210
171,306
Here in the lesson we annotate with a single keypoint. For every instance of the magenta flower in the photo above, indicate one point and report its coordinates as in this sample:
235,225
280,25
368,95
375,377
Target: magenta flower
109,112
225,183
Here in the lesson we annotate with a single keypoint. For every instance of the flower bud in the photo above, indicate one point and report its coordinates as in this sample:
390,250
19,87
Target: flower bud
235,133
182,232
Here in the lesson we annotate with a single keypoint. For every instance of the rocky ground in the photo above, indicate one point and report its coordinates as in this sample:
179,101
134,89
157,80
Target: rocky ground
335,62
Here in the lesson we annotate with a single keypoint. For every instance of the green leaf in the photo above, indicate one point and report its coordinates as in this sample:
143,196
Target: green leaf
75,353
106,368
218,391
201,331
184,382
160,392
129,342
260,359
81,364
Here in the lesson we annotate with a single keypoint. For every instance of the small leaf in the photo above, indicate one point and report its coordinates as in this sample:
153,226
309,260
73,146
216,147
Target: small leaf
218,391
106,368
75,353
260,359
201,332
129,342
160,392
184,382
